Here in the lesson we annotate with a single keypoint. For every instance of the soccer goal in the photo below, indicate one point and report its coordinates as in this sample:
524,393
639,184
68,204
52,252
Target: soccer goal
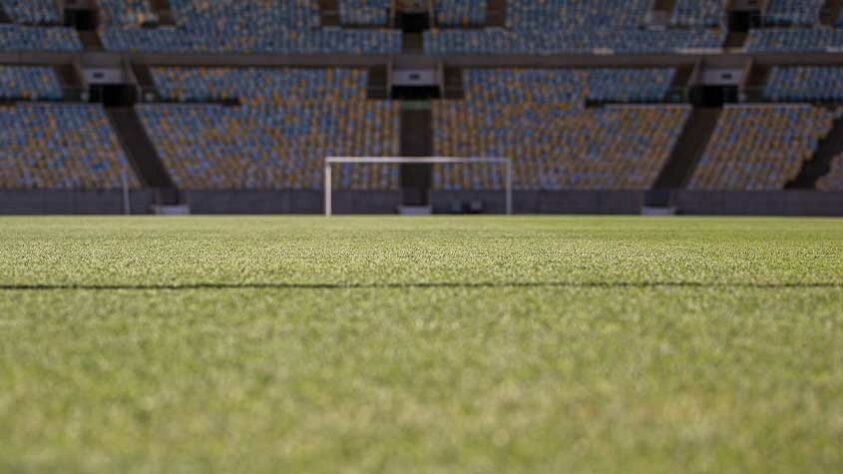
369,160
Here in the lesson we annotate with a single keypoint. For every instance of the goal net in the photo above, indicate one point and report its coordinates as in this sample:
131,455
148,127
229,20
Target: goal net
371,160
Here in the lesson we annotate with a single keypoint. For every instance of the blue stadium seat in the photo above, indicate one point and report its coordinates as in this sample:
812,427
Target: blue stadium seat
538,118
60,146
289,121
29,83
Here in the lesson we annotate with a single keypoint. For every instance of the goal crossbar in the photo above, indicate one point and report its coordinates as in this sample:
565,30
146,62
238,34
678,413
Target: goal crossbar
332,160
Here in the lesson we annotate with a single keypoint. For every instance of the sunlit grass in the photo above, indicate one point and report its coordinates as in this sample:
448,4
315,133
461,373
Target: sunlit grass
419,345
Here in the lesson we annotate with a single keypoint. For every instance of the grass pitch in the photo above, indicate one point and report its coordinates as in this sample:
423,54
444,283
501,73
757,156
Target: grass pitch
421,345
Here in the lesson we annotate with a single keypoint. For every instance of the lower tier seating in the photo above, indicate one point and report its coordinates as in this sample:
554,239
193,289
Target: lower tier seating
804,84
555,146
59,146
289,121
537,117
277,147
760,147
29,83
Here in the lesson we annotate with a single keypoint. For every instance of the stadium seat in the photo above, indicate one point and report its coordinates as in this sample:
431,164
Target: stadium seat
274,26
760,147
538,118
29,83
289,121
804,84
60,146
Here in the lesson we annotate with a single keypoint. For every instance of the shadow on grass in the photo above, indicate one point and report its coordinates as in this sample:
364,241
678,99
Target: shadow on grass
410,286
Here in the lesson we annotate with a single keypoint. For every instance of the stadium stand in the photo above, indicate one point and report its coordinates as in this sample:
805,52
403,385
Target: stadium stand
574,27
819,39
833,181
460,12
760,147
60,146
698,13
793,12
22,38
29,83
127,13
365,12
33,27
290,120
796,27
32,12
272,26
804,84
538,118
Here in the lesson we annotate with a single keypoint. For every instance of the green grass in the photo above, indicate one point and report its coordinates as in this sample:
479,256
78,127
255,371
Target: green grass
421,345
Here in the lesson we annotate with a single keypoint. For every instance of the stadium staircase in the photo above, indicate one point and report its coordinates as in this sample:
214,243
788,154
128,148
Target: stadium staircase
664,5
144,79
496,13
685,156
412,42
830,12
736,39
755,84
90,40
142,154
453,84
70,81
416,140
820,164
164,11
329,12
378,86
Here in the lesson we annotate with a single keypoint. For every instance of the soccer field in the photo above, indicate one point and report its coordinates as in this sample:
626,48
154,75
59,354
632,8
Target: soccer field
576,344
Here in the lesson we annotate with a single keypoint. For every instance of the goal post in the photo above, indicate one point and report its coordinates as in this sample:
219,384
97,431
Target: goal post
370,160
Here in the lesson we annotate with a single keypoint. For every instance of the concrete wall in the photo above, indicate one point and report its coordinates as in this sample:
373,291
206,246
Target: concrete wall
762,203
291,202
781,203
38,202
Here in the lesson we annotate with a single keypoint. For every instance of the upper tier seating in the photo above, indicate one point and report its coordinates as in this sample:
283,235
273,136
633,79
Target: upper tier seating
127,12
699,13
793,12
52,146
270,26
833,181
537,118
805,84
32,28
760,147
32,12
29,83
290,120
573,27
21,38
795,40
460,12
364,12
